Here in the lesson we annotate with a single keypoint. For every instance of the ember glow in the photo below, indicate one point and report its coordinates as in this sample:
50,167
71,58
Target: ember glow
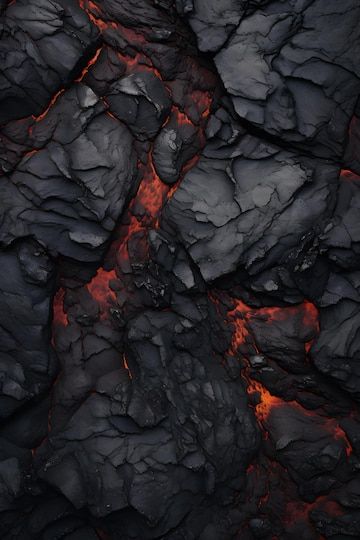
180,253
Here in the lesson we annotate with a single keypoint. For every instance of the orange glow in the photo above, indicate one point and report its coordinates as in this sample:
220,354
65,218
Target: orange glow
139,62
110,113
31,153
59,315
182,119
307,309
172,190
142,214
267,400
126,366
148,202
152,192
264,499
51,104
99,288
239,316
270,314
97,18
133,62
90,7
311,315
144,209
88,66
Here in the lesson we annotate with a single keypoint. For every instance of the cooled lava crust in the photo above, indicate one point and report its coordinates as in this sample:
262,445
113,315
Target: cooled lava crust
180,270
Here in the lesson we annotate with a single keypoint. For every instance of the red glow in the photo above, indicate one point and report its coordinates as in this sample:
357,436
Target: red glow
99,288
51,104
144,210
143,213
251,469
182,119
59,315
139,60
311,315
31,153
299,511
152,192
90,7
131,35
239,316
340,434
242,313
203,102
306,309
111,114
90,63
96,16
267,400
346,175
126,366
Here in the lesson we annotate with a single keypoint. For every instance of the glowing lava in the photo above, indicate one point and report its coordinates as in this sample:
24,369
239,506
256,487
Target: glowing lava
99,288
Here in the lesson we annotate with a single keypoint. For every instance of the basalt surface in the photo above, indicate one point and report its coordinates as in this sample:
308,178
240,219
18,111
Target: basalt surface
180,270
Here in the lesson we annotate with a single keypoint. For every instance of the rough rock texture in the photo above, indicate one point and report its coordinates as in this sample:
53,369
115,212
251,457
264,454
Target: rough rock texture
179,285
252,209
43,45
288,70
69,193
141,101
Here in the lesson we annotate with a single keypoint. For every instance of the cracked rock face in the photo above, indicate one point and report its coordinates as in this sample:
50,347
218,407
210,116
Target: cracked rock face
179,280
142,102
234,211
284,66
153,439
32,69
70,191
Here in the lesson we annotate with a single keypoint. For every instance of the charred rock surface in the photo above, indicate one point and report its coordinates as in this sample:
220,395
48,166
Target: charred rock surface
180,287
